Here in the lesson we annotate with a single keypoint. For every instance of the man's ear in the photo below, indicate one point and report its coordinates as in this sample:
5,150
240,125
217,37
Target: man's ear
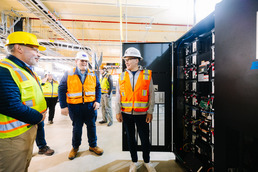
18,48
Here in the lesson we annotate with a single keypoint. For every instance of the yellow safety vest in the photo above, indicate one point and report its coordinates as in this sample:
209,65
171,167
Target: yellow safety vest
105,84
49,90
31,96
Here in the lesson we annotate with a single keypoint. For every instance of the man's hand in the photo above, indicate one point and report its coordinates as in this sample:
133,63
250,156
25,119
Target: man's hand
149,118
96,105
43,115
119,117
64,111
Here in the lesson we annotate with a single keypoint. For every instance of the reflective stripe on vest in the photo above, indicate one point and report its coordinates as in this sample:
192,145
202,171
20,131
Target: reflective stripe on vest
50,90
135,100
9,126
79,93
31,96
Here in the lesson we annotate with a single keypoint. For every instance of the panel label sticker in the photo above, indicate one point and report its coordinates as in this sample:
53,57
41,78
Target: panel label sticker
159,97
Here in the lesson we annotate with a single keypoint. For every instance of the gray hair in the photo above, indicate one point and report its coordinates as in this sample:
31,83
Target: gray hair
10,48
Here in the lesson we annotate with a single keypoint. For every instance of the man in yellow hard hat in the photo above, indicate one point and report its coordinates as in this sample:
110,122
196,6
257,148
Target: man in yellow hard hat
22,101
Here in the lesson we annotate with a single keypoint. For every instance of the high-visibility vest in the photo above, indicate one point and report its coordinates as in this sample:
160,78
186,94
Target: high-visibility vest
105,84
50,90
137,99
79,93
31,96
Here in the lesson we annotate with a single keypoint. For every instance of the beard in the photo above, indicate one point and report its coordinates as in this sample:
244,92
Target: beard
83,68
33,61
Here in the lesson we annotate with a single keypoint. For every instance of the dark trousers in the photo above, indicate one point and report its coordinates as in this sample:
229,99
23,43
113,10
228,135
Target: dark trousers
51,104
40,138
83,114
129,122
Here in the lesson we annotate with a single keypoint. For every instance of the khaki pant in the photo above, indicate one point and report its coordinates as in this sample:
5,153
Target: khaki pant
106,109
16,152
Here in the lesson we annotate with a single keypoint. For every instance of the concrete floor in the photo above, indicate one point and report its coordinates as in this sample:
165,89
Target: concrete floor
59,138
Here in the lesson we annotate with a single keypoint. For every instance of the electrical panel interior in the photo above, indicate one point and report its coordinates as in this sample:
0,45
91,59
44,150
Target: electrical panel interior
196,61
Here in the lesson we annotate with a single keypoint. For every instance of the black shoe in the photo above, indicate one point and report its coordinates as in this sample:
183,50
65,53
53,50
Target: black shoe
102,122
46,150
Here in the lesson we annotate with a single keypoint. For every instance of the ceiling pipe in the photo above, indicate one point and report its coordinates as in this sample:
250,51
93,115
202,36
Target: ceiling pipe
107,4
104,40
117,22
126,20
194,12
96,15
121,21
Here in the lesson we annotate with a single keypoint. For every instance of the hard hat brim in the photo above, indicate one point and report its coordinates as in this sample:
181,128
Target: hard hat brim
77,58
41,48
141,58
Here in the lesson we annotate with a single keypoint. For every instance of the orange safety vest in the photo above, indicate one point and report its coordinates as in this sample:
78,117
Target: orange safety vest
80,93
137,100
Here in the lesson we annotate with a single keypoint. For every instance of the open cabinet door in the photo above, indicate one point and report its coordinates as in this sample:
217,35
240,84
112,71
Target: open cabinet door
158,58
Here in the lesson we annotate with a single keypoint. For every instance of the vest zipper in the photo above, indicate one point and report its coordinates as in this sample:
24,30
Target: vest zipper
82,94
52,88
133,95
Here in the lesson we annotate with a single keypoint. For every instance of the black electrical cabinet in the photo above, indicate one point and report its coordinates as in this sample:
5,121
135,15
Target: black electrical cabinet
194,58
216,89
236,86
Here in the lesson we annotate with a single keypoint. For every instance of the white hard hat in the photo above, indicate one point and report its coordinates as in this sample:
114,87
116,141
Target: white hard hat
132,52
81,55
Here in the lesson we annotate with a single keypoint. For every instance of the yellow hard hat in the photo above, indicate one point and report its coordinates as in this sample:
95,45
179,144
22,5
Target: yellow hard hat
102,67
23,38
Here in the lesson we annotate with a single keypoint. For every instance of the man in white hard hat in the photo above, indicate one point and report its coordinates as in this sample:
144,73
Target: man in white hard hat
23,105
79,94
135,105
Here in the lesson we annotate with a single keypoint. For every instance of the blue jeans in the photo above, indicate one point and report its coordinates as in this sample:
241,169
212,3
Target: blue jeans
129,122
40,138
83,114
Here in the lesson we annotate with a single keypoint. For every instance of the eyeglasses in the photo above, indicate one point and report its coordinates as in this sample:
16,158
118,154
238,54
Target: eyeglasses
128,59
31,46
83,61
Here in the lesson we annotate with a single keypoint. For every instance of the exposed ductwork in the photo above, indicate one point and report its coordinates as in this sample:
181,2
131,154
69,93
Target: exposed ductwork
41,11
63,45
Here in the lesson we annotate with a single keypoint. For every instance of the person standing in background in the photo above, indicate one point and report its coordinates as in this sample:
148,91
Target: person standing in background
40,138
23,105
50,90
135,106
106,96
79,95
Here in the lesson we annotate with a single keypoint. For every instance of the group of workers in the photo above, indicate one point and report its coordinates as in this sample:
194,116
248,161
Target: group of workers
25,98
